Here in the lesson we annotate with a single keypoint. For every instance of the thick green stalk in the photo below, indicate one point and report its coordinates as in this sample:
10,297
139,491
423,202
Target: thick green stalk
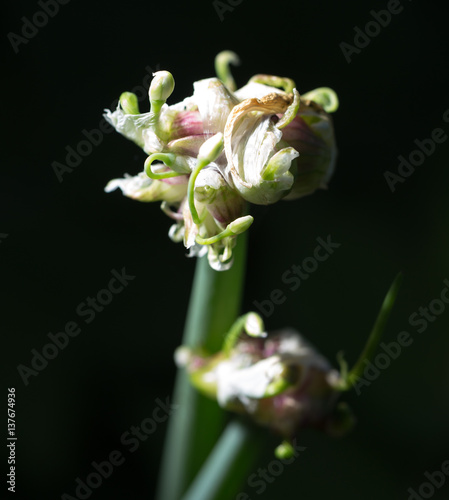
197,424
227,466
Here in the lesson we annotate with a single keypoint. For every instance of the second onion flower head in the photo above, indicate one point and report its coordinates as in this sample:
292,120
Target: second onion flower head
277,379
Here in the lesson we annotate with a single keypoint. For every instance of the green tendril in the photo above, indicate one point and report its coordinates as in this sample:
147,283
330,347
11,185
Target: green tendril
233,335
238,226
275,81
291,112
325,97
222,67
213,239
191,192
166,158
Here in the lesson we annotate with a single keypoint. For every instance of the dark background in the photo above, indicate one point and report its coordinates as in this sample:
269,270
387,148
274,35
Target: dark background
64,238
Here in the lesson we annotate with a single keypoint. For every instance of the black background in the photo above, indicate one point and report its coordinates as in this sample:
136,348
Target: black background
64,238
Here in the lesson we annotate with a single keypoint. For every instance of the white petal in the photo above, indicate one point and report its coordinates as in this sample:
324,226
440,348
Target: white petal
131,126
242,383
293,346
197,250
176,232
210,176
141,187
254,89
214,102
130,185
151,142
253,143
188,104
216,261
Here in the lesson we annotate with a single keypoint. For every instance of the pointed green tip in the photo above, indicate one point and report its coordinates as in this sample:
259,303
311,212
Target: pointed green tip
393,292
349,379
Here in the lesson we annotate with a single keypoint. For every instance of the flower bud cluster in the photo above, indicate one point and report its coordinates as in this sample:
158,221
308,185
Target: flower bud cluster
277,379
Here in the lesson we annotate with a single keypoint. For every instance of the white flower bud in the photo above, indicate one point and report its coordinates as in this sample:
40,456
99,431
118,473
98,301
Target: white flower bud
129,103
211,149
162,86
241,224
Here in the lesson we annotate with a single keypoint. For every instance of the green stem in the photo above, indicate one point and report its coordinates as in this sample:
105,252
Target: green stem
227,466
196,425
